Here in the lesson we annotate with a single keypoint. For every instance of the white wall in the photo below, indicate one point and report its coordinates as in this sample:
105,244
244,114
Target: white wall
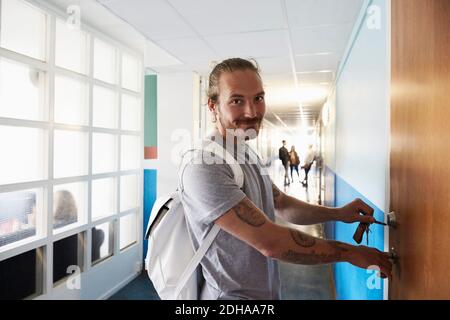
362,113
103,279
177,110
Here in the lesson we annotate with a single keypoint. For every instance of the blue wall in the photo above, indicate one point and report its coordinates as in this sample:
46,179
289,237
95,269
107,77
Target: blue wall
149,199
351,281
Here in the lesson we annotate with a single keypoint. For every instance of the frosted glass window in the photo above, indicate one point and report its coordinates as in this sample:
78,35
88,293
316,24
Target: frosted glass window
23,28
70,47
19,211
71,101
102,242
131,73
129,187
104,153
131,111
105,64
70,153
22,91
130,153
128,230
103,197
69,204
23,154
105,113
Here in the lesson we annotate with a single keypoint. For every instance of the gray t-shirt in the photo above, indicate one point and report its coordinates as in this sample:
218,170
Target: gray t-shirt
232,269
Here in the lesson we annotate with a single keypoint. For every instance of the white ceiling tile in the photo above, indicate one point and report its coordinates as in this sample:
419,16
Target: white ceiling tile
317,62
315,77
188,50
210,17
156,19
322,12
274,65
252,44
321,39
278,80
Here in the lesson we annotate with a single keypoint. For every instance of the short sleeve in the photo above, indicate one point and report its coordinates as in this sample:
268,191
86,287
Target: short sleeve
209,191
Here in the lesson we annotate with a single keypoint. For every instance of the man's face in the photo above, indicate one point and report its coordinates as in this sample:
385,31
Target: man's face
240,103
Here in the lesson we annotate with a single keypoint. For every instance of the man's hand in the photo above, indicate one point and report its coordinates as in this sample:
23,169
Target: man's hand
365,257
351,212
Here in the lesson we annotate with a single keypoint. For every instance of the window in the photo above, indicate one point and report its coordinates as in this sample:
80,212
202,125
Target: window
69,204
15,164
70,153
71,46
131,119
23,28
130,155
102,242
128,230
19,211
131,73
69,128
21,91
71,101
105,64
129,186
103,197
19,275
104,153
106,111
67,255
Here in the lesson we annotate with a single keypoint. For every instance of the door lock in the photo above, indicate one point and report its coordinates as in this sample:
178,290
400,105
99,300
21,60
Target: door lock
392,219
393,256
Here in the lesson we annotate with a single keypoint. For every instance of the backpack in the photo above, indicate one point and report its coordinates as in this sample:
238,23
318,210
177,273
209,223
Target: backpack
171,260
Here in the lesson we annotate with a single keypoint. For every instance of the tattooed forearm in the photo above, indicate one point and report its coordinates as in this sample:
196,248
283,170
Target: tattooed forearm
310,257
314,257
302,239
249,215
276,195
275,191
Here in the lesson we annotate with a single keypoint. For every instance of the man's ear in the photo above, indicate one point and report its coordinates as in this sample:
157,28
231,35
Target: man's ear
211,105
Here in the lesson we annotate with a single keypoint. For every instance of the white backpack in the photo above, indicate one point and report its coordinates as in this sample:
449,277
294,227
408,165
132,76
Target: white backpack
171,260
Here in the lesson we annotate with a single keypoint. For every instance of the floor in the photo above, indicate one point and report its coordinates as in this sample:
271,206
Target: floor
302,282
298,282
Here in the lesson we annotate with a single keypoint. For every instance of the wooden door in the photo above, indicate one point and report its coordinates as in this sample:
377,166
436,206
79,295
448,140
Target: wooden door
420,148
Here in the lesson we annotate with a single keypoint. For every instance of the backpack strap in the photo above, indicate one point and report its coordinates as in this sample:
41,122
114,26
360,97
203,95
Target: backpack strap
200,253
216,149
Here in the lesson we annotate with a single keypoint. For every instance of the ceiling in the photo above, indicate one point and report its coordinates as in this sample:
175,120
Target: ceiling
297,43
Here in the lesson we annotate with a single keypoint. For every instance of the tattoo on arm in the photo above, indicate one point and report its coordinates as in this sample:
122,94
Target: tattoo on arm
275,191
310,257
249,215
313,257
276,195
302,239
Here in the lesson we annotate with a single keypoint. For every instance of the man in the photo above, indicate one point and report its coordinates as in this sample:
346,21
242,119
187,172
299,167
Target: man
309,159
242,261
283,155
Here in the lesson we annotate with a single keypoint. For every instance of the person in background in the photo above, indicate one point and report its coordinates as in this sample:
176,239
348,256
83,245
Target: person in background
294,162
309,159
64,208
283,155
